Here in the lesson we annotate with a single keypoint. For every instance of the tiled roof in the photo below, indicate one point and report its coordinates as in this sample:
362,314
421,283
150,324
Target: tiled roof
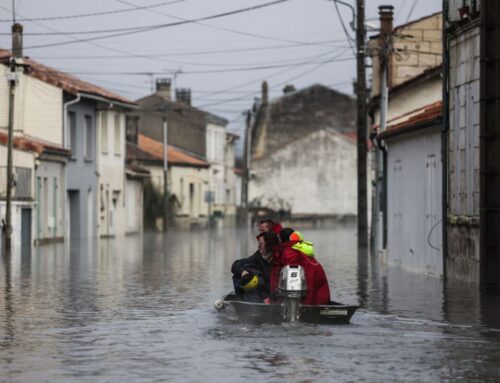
417,117
33,145
66,82
175,156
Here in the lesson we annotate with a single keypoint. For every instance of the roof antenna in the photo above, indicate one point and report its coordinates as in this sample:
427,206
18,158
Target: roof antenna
13,11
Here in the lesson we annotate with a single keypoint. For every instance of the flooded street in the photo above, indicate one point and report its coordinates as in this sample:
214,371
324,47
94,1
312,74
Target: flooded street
141,310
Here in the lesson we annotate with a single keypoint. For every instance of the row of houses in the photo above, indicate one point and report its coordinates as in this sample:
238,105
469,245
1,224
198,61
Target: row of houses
441,142
83,156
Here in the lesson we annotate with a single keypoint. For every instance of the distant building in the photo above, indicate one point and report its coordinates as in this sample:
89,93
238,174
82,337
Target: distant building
196,133
188,179
303,154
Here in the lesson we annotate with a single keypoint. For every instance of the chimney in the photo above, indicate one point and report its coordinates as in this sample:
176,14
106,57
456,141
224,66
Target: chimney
288,89
183,95
265,93
17,40
386,13
163,88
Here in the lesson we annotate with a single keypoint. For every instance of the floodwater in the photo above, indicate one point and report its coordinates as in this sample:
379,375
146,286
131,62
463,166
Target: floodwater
140,309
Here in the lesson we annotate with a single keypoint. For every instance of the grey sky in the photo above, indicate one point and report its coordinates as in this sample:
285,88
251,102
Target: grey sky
310,29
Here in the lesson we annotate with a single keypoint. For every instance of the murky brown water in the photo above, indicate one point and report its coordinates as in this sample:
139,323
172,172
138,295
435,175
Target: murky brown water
140,310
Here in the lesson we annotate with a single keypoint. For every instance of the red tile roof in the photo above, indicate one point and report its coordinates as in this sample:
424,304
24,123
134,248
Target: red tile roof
32,145
66,82
175,156
417,117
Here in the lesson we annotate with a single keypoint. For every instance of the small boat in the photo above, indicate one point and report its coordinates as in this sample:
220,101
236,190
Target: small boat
292,288
257,312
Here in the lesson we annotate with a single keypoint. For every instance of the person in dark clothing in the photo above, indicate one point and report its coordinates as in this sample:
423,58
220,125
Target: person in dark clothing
258,264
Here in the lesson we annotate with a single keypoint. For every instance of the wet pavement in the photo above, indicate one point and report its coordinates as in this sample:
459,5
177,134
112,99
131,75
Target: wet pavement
141,310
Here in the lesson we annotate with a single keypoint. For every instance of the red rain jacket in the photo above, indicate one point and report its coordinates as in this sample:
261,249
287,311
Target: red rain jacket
318,292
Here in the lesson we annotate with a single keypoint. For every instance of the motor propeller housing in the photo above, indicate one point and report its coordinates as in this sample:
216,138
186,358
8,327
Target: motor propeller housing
292,282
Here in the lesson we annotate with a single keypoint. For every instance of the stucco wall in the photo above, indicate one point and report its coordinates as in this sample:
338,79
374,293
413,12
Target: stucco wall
315,175
81,173
463,156
111,169
134,205
414,201
415,97
37,108
194,211
50,196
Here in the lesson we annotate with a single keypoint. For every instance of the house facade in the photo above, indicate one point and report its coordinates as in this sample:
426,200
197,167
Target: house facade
187,179
472,89
303,154
60,112
407,226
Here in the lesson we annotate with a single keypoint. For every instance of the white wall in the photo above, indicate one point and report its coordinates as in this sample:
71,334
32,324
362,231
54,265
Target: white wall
112,216
50,211
37,108
134,205
414,202
314,175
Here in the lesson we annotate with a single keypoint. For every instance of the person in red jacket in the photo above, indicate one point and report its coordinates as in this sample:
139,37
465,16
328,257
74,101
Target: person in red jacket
318,292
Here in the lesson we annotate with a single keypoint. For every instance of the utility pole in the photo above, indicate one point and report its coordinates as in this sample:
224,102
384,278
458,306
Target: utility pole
246,170
361,131
17,31
165,175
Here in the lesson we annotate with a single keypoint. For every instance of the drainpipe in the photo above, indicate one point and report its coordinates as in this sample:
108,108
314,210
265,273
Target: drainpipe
444,142
65,117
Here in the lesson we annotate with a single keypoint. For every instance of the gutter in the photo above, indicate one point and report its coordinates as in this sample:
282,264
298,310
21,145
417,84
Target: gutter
109,101
65,117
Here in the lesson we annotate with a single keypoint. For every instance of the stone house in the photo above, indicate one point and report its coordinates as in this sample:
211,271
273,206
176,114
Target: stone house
303,154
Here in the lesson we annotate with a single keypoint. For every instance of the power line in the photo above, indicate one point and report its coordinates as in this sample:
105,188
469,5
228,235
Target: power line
344,27
198,53
95,13
199,71
211,26
129,31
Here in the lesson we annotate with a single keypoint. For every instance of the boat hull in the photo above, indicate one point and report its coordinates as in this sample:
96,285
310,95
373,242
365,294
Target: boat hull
256,312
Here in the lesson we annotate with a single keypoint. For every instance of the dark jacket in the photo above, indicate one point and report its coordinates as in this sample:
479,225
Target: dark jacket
256,263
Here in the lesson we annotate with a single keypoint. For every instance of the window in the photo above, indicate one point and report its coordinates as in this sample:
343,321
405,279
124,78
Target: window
88,138
104,132
118,142
72,133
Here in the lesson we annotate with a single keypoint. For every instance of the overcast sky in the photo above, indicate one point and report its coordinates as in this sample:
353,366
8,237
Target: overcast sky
223,60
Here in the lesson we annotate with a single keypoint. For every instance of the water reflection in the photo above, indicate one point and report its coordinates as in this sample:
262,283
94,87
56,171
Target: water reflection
140,308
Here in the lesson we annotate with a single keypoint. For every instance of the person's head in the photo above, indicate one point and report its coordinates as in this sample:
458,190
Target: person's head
285,234
268,242
266,225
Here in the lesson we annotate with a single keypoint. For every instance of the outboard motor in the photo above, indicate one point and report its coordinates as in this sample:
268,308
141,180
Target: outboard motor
292,286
